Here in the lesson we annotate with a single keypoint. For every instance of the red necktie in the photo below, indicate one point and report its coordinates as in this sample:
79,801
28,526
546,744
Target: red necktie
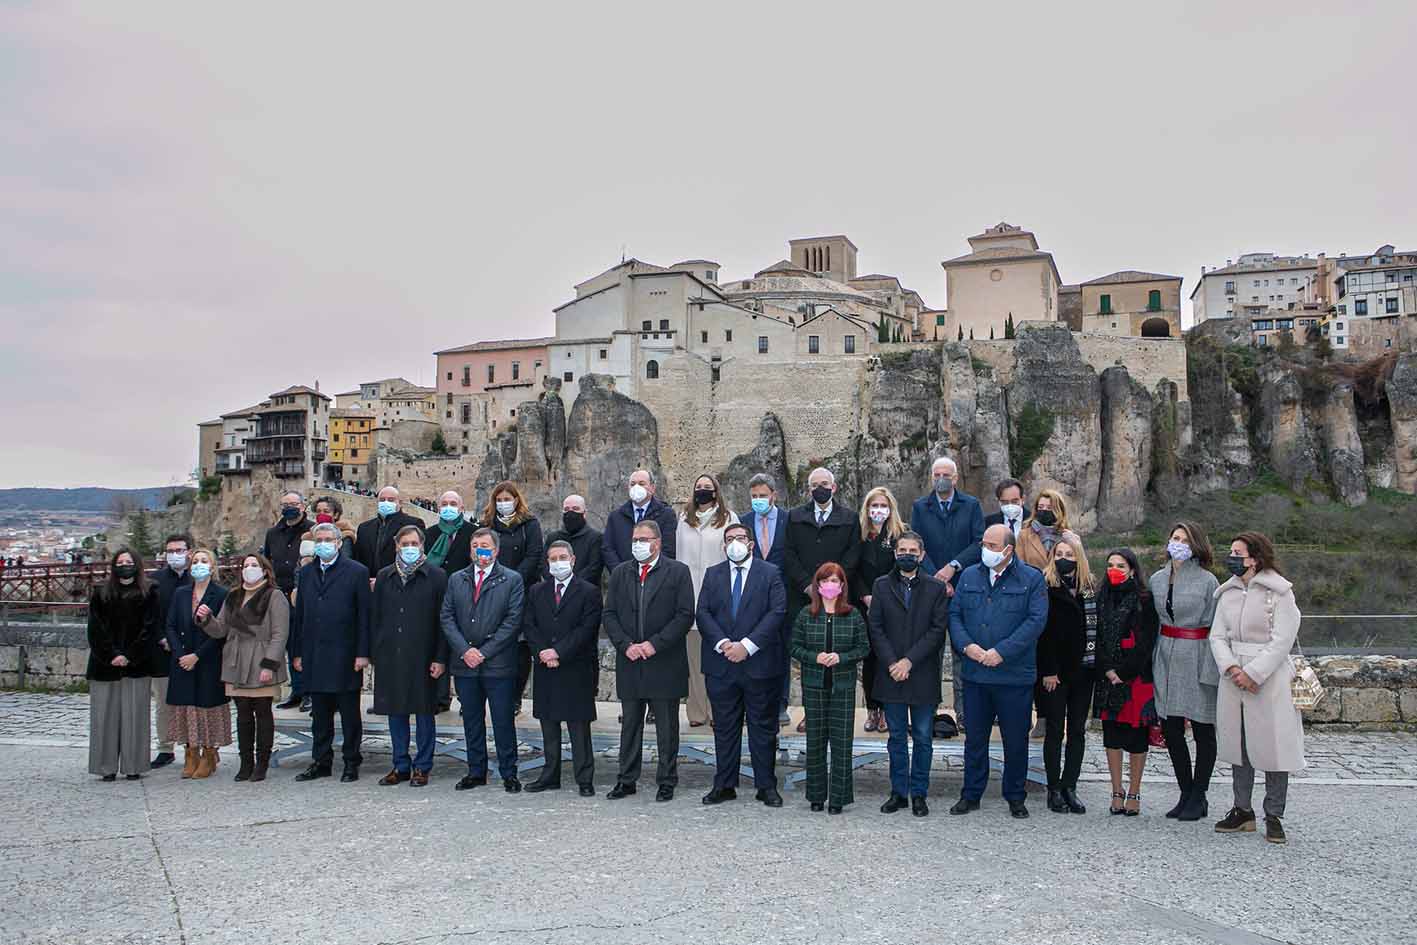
644,569
477,586
558,595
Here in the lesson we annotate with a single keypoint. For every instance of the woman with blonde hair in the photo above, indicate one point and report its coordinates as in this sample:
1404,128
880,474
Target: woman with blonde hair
699,544
1067,660
520,548
201,716
1045,528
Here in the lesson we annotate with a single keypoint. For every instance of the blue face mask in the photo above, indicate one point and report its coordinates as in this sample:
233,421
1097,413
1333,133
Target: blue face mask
201,571
450,513
387,508
484,555
326,550
761,506
289,514
410,554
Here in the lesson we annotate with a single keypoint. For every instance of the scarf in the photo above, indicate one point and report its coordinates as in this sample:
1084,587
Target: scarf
406,571
1088,599
246,609
1048,534
444,542
1115,619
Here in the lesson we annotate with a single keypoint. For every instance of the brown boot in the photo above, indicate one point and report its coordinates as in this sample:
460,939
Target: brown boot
205,763
189,763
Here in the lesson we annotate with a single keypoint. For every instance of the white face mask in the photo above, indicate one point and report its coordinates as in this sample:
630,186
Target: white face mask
737,551
505,508
252,574
307,548
1011,513
878,514
638,494
177,560
640,549
991,558
560,570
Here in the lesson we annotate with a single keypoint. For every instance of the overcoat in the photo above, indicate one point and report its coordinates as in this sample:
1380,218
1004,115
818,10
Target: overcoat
200,686
566,693
406,638
659,611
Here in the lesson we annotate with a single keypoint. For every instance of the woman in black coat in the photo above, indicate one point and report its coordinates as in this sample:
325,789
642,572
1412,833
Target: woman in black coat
1067,651
519,547
1125,698
200,718
122,620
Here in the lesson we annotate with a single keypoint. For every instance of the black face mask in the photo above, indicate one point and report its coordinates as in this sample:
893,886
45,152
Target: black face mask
573,521
907,563
126,571
703,496
1065,568
290,515
1045,518
821,495
1235,565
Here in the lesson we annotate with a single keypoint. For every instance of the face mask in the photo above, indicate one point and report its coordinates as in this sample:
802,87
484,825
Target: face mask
1065,567
878,515
560,570
177,560
126,571
704,496
1178,551
450,513
324,518
737,551
821,494
201,571
1116,576
484,555
762,506
387,508
290,515
1045,517
307,549
505,508
991,558
638,494
1235,565
944,485
1011,513
640,549
253,574
830,590
573,521
326,550
907,563
410,554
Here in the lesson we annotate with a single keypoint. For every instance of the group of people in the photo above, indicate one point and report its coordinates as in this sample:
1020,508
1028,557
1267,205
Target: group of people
708,607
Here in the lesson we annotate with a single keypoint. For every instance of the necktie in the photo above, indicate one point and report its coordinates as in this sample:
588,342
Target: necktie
477,586
907,594
764,536
558,595
644,570
821,517
737,590
639,515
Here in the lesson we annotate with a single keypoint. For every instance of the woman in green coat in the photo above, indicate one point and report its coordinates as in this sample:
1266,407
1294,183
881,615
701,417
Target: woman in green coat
829,640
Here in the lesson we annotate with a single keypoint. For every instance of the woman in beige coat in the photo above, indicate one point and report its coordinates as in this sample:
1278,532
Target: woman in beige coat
1047,526
699,544
1258,728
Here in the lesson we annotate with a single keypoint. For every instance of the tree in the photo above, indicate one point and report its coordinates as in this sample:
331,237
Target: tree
227,548
991,332
883,331
140,537
1324,348
1009,326
961,333
440,444
971,334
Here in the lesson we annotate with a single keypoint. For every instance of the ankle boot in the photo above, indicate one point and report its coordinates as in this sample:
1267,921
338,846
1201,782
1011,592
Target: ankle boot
265,739
189,761
205,763
1175,812
1195,807
1055,801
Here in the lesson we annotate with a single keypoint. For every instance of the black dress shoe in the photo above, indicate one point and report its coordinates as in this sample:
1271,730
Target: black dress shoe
108,777
350,773
719,795
305,704
621,790
770,797
818,807
964,806
1018,810
370,711
918,807
587,790
1055,801
894,803
834,809
665,793
511,785
163,758
1075,806
134,777
313,772
470,781
290,703
536,787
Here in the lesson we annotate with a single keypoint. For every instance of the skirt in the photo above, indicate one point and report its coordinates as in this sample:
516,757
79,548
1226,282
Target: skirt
255,692
201,728
119,733
1119,736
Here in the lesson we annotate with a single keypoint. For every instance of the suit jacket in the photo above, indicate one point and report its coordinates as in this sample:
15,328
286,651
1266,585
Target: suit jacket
492,622
374,540
917,634
590,555
850,641
808,547
762,618
952,536
566,693
167,582
329,624
1007,617
660,611
777,553
200,686
997,518
620,527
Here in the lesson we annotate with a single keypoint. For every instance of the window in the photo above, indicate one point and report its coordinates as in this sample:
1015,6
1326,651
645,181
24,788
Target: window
450,375
602,354
466,413
450,398
1230,287
664,324
567,377
1105,305
814,343
1293,281
647,325
850,344
335,439
1264,341
1387,342
762,344
517,369
449,415
940,320
1254,298
1255,284
1360,306
1390,277
1338,339
1390,305
651,370
536,365
703,337
1153,300
1266,282
514,412
491,373
728,334
709,276
354,454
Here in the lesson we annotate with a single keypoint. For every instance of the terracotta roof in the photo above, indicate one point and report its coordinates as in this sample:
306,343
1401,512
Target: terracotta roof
404,393
300,389
1286,264
349,393
1069,289
246,412
581,341
1131,275
785,266
506,344
350,413
997,252
876,277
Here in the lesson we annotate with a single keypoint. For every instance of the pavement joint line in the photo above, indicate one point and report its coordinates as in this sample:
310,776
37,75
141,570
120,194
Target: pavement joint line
167,876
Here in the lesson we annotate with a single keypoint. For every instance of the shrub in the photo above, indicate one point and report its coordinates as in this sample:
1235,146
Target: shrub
1028,435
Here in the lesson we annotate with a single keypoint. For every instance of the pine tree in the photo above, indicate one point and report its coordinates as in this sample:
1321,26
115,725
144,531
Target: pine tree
971,334
1009,326
882,331
228,547
991,332
961,333
140,537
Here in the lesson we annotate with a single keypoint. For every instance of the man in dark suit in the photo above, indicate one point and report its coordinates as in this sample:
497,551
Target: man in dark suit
742,615
643,505
562,625
767,525
1012,512
374,540
174,573
330,626
587,555
448,544
907,622
822,530
649,610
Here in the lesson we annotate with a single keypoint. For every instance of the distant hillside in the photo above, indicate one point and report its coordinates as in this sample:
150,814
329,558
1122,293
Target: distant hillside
88,499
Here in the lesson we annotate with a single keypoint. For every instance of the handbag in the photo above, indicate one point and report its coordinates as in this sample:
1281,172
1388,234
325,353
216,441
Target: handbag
1305,689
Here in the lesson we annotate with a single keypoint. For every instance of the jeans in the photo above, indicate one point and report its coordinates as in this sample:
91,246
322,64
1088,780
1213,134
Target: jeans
1013,707
910,770
477,694
398,738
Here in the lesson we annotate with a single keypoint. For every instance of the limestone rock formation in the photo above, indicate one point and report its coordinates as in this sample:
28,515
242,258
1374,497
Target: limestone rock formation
1402,406
1342,447
1126,450
768,455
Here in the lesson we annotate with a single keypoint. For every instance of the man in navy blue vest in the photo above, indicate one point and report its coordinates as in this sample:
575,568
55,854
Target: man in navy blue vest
742,616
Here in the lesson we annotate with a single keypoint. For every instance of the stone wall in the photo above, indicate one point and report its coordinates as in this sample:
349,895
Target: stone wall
1148,360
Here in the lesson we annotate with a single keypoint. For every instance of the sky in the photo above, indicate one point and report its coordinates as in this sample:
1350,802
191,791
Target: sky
202,204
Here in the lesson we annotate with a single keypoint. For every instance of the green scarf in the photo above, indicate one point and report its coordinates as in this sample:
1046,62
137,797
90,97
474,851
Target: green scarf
439,551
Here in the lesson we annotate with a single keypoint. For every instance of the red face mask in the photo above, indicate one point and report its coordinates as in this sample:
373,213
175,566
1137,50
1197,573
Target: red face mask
324,518
1116,576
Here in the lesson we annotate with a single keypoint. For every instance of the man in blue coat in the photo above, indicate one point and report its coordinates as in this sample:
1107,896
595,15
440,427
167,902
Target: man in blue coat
996,617
482,619
643,504
767,526
329,625
742,617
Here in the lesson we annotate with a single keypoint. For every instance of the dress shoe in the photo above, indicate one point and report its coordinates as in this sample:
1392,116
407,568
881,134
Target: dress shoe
109,777
964,806
134,777
1237,821
470,781
918,807
665,793
1196,807
537,786
621,790
370,711
894,803
818,807
587,790
1055,801
1075,806
290,703
770,797
313,772
305,705
418,778
1018,810
511,785
719,795
834,809
1175,812
350,773
163,759
395,777
1274,830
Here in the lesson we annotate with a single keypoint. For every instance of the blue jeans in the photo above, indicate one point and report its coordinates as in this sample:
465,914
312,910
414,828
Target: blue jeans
910,771
398,738
477,694
1013,707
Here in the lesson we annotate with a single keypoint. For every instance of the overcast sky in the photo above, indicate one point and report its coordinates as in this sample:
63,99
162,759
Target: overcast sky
199,206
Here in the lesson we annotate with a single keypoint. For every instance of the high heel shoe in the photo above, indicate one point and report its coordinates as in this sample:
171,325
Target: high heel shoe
1133,797
1114,810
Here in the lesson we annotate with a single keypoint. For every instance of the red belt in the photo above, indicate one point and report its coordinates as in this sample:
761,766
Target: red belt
1185,633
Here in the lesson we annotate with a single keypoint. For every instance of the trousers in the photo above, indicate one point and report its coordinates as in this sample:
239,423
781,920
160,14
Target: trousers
1174,728
1012,706
423,746
582,753
732,702
666,737
831,726
323,706
163,713
478,695
1242,776
910,768
1065,709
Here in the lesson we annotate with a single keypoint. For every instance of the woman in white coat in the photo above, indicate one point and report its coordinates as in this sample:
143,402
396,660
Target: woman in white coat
699,544
1257,726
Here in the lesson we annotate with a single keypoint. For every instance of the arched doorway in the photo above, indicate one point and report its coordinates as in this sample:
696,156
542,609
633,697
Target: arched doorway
1156,328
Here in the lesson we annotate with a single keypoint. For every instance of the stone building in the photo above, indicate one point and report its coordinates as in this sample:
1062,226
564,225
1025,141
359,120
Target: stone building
236,426
291,435
208,442
351,447
1140,304
480,385
1253,285
1003,275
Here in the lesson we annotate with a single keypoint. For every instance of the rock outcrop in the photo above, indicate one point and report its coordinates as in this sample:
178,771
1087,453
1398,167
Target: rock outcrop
1402,406
1125,449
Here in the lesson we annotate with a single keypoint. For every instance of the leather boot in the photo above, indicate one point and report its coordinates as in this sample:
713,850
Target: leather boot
204,763
245,738
189,761
1175,812
1195,807
265,738
1055,801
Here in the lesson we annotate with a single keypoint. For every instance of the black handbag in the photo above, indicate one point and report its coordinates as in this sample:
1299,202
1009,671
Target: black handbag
945,726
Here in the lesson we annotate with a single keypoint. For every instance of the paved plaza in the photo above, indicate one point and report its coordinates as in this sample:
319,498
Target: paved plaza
163,860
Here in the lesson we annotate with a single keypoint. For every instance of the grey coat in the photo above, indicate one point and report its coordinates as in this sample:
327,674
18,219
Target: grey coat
1184,670
262,647
492,624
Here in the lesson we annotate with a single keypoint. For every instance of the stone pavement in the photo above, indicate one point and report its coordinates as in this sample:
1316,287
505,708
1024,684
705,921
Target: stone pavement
163,860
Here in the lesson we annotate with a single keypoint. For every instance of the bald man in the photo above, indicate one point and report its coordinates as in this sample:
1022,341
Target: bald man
374,540
585,542
824,529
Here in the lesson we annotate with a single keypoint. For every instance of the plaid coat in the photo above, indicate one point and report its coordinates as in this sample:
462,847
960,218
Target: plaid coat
849,640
